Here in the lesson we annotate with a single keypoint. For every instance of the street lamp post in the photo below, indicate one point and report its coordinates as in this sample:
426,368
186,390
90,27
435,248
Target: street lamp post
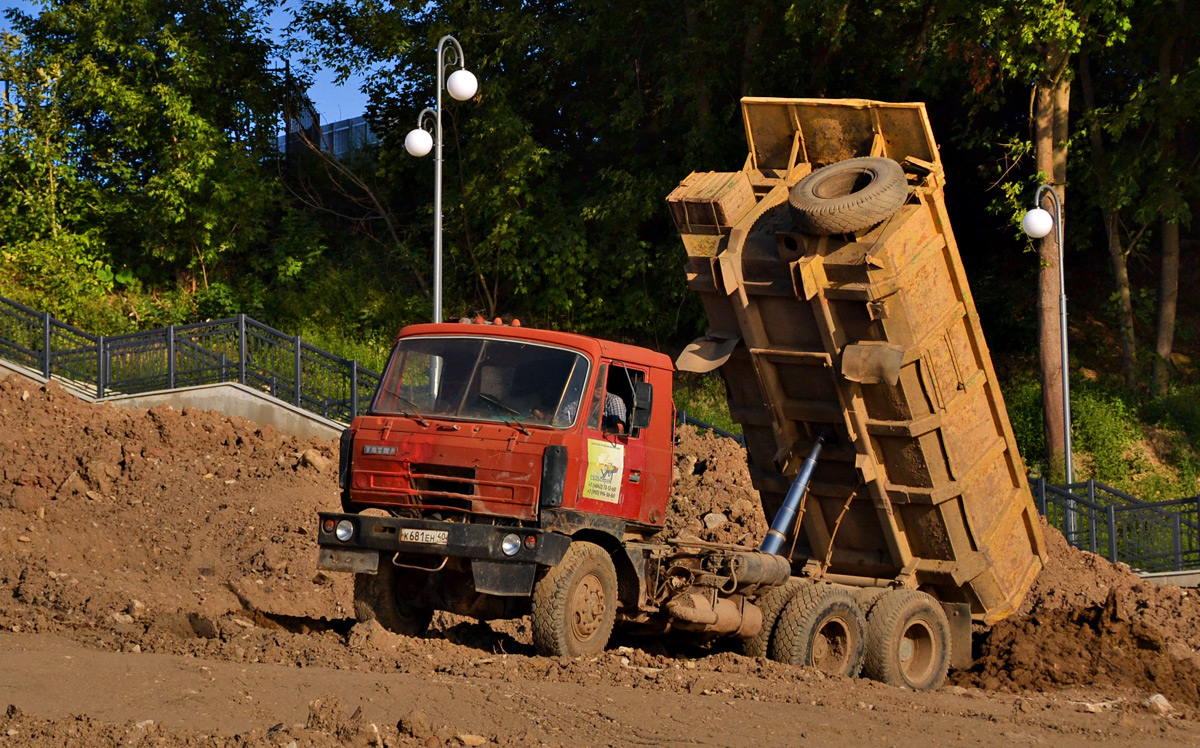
1037,223
427,135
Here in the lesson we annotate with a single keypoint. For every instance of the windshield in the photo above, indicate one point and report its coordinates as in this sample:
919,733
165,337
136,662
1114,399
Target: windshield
483,379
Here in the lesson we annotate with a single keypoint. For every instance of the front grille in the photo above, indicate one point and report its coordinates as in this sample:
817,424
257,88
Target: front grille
444,485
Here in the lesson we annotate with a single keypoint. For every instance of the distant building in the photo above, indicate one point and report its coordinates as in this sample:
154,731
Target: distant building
336,138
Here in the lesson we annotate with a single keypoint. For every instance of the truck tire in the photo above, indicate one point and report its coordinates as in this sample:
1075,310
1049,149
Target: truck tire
770,604
822,627
908,641
575,603
848,196
379,597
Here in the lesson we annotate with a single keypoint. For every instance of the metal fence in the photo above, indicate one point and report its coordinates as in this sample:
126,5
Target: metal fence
682,416
1148,536
238,349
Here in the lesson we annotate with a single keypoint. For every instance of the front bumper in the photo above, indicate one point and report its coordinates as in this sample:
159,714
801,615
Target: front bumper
463,540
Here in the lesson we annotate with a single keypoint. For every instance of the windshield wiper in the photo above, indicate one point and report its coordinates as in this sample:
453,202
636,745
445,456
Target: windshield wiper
415,415
498,404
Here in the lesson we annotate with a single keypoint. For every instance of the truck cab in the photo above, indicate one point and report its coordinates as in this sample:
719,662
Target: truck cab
487,448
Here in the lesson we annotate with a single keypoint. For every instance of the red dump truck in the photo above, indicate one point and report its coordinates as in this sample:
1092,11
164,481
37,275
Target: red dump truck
505,471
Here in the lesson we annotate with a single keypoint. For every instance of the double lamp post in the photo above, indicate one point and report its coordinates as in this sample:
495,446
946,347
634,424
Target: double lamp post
427,136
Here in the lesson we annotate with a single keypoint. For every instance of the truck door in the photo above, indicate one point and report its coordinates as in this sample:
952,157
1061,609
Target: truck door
611,482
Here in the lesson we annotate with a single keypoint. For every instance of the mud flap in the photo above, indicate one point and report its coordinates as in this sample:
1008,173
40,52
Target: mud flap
958,615
503,578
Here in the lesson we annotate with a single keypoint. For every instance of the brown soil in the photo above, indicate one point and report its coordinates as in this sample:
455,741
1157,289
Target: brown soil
1089,621
158,587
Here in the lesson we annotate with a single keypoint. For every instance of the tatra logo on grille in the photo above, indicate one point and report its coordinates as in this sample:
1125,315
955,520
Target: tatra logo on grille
374,449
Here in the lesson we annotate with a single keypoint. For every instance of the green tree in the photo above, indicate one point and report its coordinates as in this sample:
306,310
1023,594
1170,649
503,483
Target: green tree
172,109
40,197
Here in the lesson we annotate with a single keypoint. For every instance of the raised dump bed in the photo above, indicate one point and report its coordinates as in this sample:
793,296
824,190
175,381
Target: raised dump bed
873,336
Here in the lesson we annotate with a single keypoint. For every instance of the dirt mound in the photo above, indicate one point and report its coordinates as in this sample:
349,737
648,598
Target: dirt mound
138,515
1089,621
713,499
1095,645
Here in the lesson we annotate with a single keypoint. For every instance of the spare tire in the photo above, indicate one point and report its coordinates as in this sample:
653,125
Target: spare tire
848,196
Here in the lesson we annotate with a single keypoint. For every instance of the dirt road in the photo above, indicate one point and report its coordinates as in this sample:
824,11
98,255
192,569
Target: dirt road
54,679
158,587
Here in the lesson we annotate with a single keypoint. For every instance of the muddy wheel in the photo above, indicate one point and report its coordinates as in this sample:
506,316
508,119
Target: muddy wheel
575,603
771,604
381,597
821,627
908,641
848,196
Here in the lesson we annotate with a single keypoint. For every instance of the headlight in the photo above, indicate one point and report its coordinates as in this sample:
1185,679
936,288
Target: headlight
510,544
345,530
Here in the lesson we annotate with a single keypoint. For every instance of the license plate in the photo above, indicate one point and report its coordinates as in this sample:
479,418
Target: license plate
430,537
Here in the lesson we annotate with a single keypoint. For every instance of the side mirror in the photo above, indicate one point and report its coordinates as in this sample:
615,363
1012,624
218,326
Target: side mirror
643,398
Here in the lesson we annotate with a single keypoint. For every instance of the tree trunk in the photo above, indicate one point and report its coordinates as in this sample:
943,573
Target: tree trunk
1168,299
1052,93
699,71
1168,283
1112,230
750,52
1116,253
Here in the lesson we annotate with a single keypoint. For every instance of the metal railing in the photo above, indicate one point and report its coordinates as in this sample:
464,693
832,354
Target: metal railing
1148,536
237,349
683,417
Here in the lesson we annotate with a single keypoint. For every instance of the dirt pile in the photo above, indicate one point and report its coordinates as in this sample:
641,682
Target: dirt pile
1089,621
713,499
137,516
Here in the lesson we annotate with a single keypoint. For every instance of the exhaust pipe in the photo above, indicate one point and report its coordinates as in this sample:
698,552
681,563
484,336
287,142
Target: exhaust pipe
773,543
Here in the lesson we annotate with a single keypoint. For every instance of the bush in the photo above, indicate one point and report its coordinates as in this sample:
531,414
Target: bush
1023,396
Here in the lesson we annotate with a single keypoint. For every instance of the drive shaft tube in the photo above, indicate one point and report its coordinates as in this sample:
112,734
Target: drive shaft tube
773,543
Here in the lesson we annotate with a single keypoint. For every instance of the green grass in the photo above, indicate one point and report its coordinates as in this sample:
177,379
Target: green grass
703,397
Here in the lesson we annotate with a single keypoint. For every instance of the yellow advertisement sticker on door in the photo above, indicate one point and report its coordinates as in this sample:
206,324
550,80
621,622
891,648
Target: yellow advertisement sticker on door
606,466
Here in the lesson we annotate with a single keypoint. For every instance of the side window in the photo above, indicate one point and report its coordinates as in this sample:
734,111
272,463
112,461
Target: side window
612,406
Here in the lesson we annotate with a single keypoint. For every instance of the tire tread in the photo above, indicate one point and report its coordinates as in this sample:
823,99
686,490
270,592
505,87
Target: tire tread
551,594
794,629
887,614
854,212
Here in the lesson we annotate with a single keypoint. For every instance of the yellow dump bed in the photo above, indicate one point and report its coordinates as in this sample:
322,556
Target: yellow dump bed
873,336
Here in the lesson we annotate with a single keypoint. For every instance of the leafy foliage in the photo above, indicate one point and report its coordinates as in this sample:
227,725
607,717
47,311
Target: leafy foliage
139,128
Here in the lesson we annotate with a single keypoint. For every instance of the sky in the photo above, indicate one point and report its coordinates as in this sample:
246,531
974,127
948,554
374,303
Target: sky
334,102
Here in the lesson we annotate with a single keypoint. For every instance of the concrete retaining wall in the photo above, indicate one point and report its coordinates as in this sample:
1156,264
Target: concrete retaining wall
228,398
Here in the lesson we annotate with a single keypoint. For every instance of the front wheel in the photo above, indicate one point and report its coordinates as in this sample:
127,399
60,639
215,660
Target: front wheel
382,597
575,603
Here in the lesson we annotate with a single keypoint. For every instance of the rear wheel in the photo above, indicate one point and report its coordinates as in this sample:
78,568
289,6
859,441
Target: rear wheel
822,627
382,597
575,603
908,641
771,604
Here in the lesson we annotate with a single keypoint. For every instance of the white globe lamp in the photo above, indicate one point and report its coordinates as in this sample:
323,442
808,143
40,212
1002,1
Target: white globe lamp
462,84
1037,223
419,143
